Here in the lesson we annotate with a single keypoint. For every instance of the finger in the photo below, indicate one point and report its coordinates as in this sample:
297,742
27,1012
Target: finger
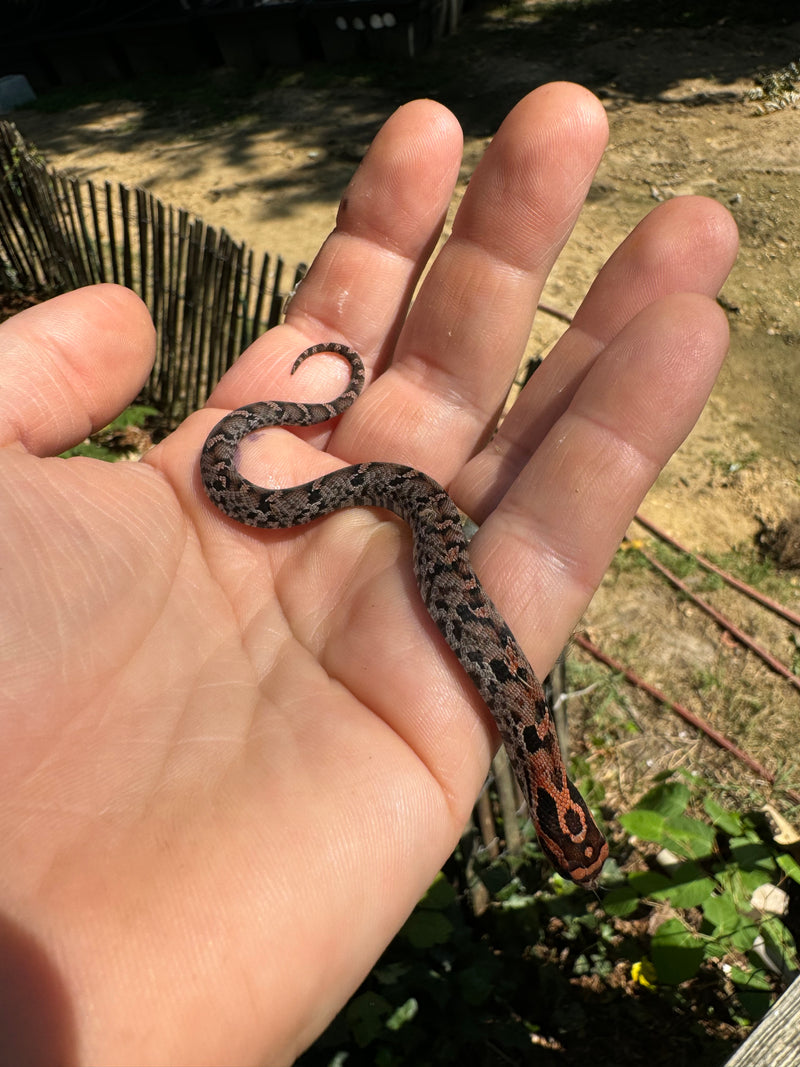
71,365
360,284
685,245
467,330
552,537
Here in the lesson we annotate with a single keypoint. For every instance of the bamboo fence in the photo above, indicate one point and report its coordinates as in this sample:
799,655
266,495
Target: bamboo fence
209,296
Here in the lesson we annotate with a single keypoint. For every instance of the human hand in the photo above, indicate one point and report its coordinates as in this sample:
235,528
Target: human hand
234,759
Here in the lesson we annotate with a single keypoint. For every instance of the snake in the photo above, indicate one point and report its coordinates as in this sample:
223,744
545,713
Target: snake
454,597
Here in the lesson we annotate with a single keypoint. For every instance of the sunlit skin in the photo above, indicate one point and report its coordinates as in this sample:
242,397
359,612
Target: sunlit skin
233,758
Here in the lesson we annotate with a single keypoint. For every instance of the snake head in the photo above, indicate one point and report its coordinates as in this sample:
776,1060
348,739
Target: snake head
569,836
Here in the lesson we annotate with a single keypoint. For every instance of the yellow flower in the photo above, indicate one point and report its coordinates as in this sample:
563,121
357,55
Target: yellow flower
644,973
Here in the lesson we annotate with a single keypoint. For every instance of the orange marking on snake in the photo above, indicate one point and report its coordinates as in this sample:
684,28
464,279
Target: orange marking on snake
450,589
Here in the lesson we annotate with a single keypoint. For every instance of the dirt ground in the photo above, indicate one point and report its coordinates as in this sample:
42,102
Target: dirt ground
269,165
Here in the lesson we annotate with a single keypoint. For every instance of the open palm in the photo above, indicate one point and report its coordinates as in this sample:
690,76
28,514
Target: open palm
234,758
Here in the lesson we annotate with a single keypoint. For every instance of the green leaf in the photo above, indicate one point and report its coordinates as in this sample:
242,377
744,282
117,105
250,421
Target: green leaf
135,415
687,828
745,883
717,949
425,928
689,837
743,937
675,952
365,1015
731,881
789,866
778,937
90,450
756,979
722,913
749,852
497,878
687,892
756,1003
730,822
753,991
440,894
622,901
648,825
668,799
646,883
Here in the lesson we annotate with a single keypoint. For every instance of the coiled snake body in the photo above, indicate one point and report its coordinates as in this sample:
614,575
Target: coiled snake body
455,599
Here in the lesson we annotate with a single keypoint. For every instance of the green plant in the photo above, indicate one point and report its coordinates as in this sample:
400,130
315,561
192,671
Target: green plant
113,443
714,866
457,987
438,993
546,965
725,469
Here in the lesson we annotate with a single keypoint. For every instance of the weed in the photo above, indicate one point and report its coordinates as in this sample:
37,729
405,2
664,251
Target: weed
117,440
453,987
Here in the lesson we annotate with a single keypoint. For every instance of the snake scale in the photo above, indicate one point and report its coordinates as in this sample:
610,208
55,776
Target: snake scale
453,596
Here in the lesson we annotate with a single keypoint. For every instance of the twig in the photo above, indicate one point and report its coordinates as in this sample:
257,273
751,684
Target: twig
735,583
726,624
694,720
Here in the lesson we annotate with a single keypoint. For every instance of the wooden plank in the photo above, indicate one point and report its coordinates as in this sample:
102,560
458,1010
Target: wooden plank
22,270
127,259
151,232
143,231
70,252
276,303
220,313
254,326
84,244
180,312
206,271
239,281
775,1042
171,281
192,302
40,219
20,267
17,173
112,235
160,273
100,242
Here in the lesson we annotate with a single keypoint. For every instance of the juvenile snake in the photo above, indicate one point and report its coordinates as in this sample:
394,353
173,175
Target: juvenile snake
455,599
